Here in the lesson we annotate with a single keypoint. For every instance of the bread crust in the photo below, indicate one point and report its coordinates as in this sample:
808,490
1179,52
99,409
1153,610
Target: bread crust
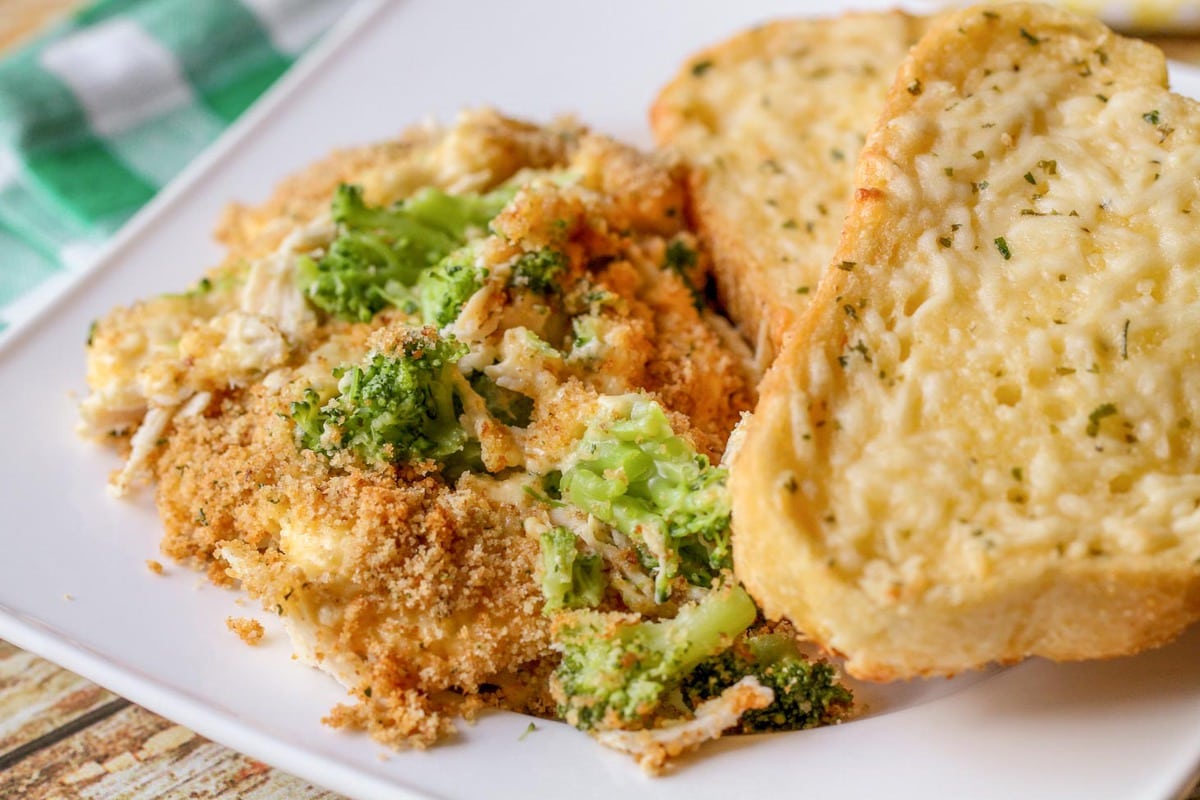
1051,597
770,123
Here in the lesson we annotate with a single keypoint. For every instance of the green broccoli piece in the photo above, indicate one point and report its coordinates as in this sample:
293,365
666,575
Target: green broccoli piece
309,420
807,693
682,260
444,289
458,214
380,253
680,257
539,271
570,579
620,673
585,329
394,407
636,475
508,407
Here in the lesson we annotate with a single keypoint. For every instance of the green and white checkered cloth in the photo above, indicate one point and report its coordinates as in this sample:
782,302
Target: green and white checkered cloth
107,107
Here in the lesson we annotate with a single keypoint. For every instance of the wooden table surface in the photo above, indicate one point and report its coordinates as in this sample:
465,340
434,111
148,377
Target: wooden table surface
65,738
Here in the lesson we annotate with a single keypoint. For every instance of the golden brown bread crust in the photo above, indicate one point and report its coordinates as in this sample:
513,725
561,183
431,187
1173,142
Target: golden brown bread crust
770,123
1018,570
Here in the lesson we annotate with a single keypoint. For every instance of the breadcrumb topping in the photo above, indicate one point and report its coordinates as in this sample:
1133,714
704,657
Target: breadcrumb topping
248,630
416,588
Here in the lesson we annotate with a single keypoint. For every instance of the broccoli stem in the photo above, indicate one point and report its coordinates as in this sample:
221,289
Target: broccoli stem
570,579
701,629
617,672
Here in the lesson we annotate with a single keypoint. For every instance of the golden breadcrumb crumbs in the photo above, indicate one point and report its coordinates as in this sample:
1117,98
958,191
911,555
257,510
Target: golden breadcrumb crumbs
418,592
248,630
154,566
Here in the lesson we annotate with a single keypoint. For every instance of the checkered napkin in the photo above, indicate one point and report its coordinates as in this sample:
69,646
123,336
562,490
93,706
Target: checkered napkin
105,109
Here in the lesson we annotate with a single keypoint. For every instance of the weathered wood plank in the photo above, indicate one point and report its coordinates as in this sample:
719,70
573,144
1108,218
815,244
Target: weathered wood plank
136,755
36,697
130,754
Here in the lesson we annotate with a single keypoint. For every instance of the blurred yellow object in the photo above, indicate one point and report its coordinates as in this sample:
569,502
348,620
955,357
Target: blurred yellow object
1143,16
21,20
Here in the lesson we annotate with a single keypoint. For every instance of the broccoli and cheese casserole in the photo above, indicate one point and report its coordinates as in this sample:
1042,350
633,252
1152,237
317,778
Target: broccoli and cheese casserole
454,408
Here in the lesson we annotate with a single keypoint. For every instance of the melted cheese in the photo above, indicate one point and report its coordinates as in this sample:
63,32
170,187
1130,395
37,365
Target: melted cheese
1034,359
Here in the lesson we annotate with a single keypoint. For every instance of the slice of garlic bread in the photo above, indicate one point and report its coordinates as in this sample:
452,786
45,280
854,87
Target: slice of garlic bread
981,443
770,123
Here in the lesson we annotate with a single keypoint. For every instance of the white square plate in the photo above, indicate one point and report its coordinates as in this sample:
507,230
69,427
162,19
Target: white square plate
74,586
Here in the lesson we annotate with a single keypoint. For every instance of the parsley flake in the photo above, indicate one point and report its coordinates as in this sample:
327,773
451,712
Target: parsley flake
1098,414
1002,246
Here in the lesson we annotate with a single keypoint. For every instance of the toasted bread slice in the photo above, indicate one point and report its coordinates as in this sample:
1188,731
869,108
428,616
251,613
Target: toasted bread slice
771,122
981,443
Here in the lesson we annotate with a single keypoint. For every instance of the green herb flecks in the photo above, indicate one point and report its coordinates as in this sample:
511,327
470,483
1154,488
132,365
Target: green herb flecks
1097,415
1002,246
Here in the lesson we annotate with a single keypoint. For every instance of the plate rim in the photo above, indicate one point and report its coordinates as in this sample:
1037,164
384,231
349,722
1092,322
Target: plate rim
29,633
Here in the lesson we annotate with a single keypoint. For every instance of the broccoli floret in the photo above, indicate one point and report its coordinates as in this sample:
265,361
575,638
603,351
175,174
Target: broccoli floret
620,673
380,253
397,406
570,579
636,475
310,421
445,288
539,271
807,693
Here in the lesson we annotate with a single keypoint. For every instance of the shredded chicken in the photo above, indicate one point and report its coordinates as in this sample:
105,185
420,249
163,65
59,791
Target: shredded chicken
654,749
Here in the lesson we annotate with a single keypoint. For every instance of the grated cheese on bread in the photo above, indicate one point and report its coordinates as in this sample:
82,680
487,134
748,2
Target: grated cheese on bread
770,123
980,444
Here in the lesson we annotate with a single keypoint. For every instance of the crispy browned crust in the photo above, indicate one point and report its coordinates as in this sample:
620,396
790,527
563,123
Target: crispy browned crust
1041,605
770,123
422,595
495,146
